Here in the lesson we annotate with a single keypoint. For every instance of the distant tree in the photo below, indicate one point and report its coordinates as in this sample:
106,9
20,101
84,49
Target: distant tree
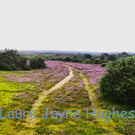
69,59
37,62
88,56
112,57
124,54
104,56
11,60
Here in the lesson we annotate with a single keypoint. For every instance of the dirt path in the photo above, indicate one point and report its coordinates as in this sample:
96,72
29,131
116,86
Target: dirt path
110,126
91,94
30,122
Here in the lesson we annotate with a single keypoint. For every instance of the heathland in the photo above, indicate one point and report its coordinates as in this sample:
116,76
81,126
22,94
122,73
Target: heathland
68,90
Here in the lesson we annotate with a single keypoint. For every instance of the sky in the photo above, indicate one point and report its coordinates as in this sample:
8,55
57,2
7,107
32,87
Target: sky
77,25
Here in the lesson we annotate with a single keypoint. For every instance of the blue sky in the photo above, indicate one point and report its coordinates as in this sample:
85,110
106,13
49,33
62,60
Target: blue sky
79,25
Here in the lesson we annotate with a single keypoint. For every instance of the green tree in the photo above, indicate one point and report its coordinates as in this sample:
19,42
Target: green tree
119,81
37,62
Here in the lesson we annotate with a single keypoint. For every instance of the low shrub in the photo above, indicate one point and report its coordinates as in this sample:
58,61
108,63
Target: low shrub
37,62
118,83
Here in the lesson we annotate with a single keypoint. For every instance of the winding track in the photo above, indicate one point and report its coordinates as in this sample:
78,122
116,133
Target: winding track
31,122
92,97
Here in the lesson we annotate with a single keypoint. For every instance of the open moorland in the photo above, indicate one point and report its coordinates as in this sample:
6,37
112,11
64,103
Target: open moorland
69,91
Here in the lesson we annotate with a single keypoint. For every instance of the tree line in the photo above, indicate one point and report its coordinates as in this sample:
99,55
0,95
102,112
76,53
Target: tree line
102,58
11,60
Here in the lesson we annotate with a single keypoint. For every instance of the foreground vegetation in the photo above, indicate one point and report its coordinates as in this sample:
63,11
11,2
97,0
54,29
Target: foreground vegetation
90,87
20,89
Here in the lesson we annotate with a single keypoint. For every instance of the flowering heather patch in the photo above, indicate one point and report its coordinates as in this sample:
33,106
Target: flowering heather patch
93,71
27,76
28,62
60,69
72,96
55,72
22,88
41,79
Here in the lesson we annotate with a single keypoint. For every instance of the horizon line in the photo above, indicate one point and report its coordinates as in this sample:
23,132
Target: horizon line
46,50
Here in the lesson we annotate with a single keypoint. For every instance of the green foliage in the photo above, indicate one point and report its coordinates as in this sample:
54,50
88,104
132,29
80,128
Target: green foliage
10,60
88,56
103,64
37,62
119,81
83,58
4,66
69,59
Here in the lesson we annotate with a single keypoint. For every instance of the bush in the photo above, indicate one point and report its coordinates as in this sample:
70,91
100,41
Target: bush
119,81
4,66
37,62
103,64
11,60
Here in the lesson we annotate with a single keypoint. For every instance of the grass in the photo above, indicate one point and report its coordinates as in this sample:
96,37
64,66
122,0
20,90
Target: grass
69,98
75,95
19,95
